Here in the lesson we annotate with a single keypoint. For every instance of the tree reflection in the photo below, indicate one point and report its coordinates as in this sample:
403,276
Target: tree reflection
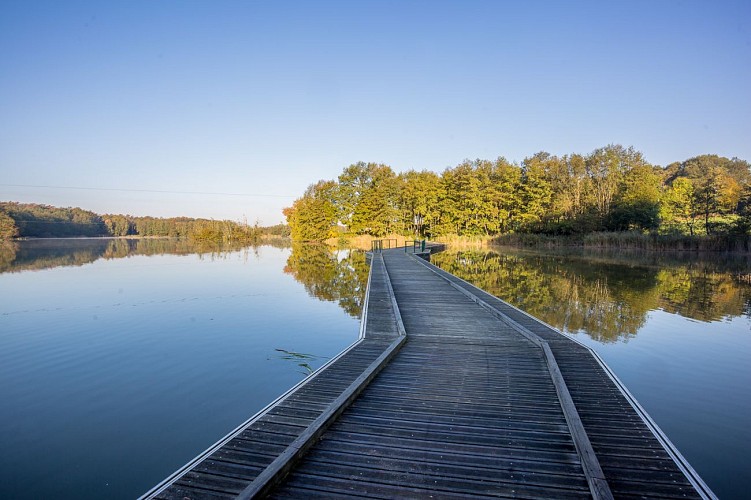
607,298
8,251
40,254
334,275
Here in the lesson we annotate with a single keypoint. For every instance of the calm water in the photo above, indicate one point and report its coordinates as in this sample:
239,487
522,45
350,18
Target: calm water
120,360
676,330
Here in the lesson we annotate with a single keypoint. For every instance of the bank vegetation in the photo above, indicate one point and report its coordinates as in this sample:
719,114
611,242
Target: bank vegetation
612,192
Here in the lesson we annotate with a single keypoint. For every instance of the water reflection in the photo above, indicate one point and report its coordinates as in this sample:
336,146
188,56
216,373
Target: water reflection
30,255
606,296
334,275
327,274
156,356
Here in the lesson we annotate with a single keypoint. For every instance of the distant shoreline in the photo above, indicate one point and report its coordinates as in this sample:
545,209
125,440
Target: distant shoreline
129,237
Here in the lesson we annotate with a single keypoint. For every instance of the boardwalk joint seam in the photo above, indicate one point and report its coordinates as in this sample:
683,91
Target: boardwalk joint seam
278,469
590,464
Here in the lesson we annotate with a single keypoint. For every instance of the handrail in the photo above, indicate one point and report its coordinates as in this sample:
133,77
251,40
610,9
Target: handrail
416,245
377,246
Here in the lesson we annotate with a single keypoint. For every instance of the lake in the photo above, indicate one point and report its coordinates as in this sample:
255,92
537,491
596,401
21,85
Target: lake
674,328
122,359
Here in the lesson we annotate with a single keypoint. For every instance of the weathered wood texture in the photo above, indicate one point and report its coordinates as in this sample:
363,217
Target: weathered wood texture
482,400
466,409
635,458
265,447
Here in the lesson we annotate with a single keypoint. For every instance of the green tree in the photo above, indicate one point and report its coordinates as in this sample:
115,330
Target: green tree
638,201
46,221
502,193
367,198
613,187
8,228
678,207
119,225
418,202
605,169
716,193
313,216
536,191
744,210
460,199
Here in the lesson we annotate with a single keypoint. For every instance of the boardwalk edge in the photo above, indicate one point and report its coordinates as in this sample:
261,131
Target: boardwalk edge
278,469
689,472
598,486
175,476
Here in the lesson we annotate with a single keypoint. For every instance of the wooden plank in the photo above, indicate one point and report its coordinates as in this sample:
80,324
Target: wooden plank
265,481
595,477
273,474
251,447
592,384
482,400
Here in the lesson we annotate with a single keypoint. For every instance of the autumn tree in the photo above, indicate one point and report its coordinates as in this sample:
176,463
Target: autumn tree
8,228
611,188
313,217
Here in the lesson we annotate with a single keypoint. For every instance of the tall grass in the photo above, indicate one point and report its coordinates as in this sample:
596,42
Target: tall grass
364,241
632,240
456,241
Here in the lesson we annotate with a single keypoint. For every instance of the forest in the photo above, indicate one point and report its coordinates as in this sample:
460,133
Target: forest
31,220
612,189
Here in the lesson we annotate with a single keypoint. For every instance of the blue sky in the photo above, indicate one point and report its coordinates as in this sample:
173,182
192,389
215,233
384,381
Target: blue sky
149,103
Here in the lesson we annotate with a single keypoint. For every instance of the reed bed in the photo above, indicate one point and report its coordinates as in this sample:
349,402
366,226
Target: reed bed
633,240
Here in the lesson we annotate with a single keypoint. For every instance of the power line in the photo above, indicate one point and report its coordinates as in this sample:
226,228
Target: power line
131,219
58,222
148,190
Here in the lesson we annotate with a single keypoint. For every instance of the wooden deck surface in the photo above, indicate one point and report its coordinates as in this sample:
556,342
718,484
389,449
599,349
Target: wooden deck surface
481,400
267,442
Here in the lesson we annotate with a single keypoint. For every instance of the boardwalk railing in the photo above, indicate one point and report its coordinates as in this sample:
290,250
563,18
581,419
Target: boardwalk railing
414,246
383,244
410,246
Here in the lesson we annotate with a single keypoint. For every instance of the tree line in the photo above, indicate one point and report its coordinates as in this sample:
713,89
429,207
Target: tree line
19,220
612,188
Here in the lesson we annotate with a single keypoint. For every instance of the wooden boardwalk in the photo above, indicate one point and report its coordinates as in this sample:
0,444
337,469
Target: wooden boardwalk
448,393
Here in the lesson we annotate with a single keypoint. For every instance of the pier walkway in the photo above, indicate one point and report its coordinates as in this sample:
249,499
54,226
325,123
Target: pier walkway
448,393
